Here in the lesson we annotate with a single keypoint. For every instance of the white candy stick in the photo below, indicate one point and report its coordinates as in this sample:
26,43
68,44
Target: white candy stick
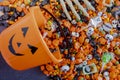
103,65
81,8
72,8
65,9
88,4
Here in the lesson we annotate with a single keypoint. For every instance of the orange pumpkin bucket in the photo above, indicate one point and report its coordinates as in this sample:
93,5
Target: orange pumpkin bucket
22,45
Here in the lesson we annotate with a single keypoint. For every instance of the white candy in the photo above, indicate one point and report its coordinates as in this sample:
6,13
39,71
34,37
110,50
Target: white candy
115,35
73,58
107,27
75,34
65,68
22,5
74,22
84,63
117,13
45,34
95,21
114,23
109,37
100,14
101,29
117,43
106,75
89,57
104,15
87,40
90,31
53,26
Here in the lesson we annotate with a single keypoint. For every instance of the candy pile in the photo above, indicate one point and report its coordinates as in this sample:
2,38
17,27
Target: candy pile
88,36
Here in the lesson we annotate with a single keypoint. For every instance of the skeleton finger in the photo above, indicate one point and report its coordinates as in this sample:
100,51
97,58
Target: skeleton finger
72,8
81,7
108,5
65,9
88,4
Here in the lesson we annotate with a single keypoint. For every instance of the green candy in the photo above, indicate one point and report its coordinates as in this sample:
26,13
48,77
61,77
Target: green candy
106,57
117,63
82,79
49,22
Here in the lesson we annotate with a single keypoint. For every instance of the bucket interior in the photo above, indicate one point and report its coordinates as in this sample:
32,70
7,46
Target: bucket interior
57,55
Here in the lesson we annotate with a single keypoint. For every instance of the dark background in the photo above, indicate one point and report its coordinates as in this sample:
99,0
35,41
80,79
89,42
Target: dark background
7,73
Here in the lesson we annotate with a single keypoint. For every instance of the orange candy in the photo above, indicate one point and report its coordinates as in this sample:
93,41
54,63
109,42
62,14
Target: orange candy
42,68
55,42
78,61
77,45
66,23
49,67
102,40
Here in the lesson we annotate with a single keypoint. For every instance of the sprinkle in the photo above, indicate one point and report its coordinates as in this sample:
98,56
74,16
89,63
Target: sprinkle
100,14
65,68
109,37
90,31
107,27
75,34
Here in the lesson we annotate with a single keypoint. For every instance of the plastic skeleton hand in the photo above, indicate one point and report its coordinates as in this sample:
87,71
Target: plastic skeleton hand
70,4
108,5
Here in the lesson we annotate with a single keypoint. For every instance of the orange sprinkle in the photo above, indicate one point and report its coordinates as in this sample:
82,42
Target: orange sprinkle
42,68
19,9
77,45
55,42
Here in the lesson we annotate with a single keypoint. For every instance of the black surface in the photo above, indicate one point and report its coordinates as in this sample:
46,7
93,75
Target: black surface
7,73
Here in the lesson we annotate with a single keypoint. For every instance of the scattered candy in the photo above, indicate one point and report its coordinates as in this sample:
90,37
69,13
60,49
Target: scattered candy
87,33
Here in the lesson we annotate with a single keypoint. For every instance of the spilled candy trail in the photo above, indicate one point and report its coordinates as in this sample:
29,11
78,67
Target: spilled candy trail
82,32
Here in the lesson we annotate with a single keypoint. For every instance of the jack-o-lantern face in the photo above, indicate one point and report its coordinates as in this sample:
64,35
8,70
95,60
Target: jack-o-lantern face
22,45
11,47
